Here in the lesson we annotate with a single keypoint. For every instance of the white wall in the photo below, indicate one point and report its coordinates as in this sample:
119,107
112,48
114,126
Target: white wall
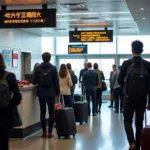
20,40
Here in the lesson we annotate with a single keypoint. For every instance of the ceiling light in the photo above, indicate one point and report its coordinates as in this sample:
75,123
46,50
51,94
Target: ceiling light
142,8
143,18
115,12
59,20
98,24
119,18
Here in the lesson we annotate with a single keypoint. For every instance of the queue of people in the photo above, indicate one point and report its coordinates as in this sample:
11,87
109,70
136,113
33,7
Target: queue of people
129,84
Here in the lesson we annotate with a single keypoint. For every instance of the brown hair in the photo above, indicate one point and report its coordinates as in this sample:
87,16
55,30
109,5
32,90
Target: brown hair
63,71
2,63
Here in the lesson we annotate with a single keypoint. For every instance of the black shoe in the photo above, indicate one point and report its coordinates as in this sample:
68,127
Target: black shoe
110,106
116,112
121,111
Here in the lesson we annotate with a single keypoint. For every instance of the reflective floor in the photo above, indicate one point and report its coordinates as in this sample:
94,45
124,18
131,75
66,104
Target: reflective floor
104,132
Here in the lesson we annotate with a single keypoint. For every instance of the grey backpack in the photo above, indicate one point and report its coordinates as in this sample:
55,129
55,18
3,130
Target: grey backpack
4,92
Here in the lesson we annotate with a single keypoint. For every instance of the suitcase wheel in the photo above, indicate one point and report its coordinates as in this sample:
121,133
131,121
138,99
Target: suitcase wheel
74,136
58,137
80,123
86,122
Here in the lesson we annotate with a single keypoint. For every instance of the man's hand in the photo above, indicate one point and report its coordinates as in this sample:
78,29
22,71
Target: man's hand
148,107
58,97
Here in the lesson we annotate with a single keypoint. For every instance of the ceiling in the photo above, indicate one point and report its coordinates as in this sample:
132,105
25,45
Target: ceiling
125,17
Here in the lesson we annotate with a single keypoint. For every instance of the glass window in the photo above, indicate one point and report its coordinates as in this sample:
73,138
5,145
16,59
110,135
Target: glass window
124,43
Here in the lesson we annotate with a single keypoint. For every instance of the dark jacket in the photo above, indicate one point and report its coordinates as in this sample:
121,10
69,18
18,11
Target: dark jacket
124,68
90,79
55,88
81,75
6,117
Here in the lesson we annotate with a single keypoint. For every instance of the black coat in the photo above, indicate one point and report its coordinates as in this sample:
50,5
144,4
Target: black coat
6,117
55,88
124,68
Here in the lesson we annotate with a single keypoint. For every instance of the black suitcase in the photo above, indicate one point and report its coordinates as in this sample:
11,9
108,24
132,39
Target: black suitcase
65,122
81,111
78,97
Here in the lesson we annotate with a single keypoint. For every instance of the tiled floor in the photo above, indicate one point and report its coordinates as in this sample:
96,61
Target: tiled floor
104,132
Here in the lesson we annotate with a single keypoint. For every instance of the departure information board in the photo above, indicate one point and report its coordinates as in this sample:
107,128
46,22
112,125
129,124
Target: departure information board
77,49
91,36
28,18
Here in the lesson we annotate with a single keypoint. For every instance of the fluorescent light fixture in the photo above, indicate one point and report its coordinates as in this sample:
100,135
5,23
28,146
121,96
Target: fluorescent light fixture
142,8
83,24
90,13
143,18
63,20
109,19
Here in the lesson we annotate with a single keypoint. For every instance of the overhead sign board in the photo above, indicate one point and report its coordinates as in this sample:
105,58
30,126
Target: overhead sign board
77,49
91,36
28,18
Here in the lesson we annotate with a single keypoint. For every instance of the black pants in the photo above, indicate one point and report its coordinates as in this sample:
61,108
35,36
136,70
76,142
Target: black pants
118,96
130,106
50,102
91,93
4,138
98,99
112,100
67,100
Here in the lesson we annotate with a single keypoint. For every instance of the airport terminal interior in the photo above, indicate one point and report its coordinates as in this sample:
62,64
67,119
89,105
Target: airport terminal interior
73,31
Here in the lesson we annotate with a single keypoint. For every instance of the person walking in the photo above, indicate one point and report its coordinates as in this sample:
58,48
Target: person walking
46,76
118,91
114,67
65,85
134,78
99,88
91,81
81,78
8,85
74,81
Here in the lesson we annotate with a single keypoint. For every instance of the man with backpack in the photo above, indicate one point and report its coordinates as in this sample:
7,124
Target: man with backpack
134,78
46,77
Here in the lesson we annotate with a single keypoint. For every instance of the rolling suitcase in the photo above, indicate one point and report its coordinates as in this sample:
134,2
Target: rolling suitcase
145,136
78,97
81,111
65,122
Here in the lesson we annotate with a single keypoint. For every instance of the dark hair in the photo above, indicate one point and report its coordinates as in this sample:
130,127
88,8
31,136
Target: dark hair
36,65
119,67
2,62
115,66
46,57
89,65
95,66
137,47
63,71
69,66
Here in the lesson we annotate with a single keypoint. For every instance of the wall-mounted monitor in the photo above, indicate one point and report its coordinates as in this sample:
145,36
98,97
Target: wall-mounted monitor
91,36
77,49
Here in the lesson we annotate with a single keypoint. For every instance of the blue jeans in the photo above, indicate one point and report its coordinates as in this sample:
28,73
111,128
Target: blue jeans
72,96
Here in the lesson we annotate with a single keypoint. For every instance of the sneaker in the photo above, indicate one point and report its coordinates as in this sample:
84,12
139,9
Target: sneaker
44,135
132,147
50,135
110,106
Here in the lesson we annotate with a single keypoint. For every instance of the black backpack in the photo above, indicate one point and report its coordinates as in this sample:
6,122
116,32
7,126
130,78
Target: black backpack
137,80
74,78
4,92
45,83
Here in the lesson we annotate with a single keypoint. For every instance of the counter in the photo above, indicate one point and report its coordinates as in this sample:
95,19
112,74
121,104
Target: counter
30,113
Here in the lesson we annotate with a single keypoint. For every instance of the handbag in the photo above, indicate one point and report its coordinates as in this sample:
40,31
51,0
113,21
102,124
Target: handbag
16,118
104,86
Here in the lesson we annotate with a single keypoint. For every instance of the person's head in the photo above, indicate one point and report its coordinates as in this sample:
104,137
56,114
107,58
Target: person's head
2,63
46,57
69,66
137,47
95,66
119,67
37,64
89,65
85,65
63,71
114,67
